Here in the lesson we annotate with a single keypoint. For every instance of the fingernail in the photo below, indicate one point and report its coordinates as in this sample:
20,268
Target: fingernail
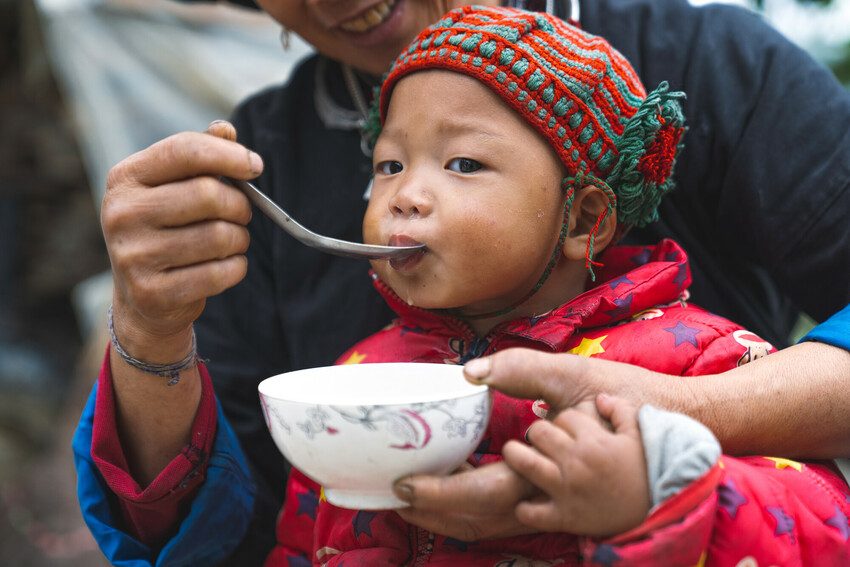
404,491
256,163
216,123
478,369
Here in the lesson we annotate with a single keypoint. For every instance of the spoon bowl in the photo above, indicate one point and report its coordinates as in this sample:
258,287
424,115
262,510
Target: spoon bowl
306,236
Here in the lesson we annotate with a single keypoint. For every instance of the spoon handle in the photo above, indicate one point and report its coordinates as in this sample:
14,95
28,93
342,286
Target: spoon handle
324,243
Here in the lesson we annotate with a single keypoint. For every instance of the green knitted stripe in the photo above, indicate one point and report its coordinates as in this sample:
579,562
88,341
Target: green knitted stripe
507,33
562,106
488,48
543,24
576,85
441,39
575,56
586,134
444,23
595,149
629,97
520,67
606,161
535,81
471,42
579,89
455,39
575,119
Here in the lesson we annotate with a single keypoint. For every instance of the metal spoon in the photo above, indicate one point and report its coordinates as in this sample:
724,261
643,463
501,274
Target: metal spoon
313,240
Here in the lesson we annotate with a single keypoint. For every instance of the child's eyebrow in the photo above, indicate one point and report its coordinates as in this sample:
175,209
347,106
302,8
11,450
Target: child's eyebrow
465,128
450,128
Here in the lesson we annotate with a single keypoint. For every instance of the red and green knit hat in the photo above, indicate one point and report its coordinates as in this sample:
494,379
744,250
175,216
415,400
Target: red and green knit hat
575,89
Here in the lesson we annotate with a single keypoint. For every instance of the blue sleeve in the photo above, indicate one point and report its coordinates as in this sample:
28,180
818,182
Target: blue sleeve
218,517
834,331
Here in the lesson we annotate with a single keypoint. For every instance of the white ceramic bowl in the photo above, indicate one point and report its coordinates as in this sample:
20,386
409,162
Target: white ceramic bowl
355,429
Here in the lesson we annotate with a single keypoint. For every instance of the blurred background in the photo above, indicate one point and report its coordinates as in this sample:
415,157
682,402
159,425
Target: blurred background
83,84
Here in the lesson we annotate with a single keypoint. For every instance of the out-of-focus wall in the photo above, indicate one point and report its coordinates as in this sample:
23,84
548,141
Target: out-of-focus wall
135,71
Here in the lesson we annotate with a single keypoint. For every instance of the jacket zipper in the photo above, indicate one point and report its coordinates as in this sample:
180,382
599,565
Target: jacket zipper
422,546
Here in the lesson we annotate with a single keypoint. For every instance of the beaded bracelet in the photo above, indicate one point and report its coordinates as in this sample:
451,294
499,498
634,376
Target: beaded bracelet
170,371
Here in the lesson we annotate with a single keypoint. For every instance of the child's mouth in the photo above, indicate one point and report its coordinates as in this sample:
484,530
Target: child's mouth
407,262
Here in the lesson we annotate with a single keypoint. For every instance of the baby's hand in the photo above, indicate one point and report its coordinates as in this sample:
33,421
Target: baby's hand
594,479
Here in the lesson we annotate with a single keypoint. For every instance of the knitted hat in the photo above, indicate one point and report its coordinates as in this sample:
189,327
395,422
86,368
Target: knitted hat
572,87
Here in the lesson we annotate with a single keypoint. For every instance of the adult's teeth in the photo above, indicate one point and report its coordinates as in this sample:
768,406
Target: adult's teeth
370,19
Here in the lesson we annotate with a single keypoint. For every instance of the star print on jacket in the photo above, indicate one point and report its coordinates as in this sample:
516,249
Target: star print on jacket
730,498
683,334
839,522
363,523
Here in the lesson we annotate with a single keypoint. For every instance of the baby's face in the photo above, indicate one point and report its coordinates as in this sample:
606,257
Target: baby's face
459,171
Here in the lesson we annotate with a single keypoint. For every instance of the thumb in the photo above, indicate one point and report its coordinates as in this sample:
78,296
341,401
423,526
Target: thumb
222,129
620,412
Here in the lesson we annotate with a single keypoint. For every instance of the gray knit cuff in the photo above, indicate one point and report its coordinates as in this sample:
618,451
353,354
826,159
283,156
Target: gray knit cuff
678,450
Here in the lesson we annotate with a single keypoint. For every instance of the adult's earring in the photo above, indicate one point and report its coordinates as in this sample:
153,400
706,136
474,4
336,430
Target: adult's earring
285,38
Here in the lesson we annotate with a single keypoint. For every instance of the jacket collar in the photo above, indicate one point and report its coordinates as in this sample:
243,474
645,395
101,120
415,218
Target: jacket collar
632,280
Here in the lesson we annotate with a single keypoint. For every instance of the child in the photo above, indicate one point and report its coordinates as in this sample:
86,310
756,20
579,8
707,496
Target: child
517,148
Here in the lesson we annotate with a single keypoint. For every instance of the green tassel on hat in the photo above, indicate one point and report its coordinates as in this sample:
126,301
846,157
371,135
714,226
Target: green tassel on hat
648,149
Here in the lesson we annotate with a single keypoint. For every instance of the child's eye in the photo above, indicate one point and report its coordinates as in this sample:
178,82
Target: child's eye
389,167
464,165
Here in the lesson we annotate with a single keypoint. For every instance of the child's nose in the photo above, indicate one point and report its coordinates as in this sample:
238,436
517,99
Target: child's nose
410,201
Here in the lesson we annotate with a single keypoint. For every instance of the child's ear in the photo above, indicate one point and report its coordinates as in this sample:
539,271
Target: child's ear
589,204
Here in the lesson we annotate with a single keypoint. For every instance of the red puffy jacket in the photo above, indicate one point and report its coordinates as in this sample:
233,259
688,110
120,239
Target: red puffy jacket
746,512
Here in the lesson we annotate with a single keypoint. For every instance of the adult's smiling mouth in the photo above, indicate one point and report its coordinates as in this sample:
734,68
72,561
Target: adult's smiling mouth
370,18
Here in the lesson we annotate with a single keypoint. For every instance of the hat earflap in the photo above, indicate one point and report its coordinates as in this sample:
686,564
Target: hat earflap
648,149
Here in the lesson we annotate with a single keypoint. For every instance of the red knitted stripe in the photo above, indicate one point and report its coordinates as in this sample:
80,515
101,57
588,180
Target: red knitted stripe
604,104
589,77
